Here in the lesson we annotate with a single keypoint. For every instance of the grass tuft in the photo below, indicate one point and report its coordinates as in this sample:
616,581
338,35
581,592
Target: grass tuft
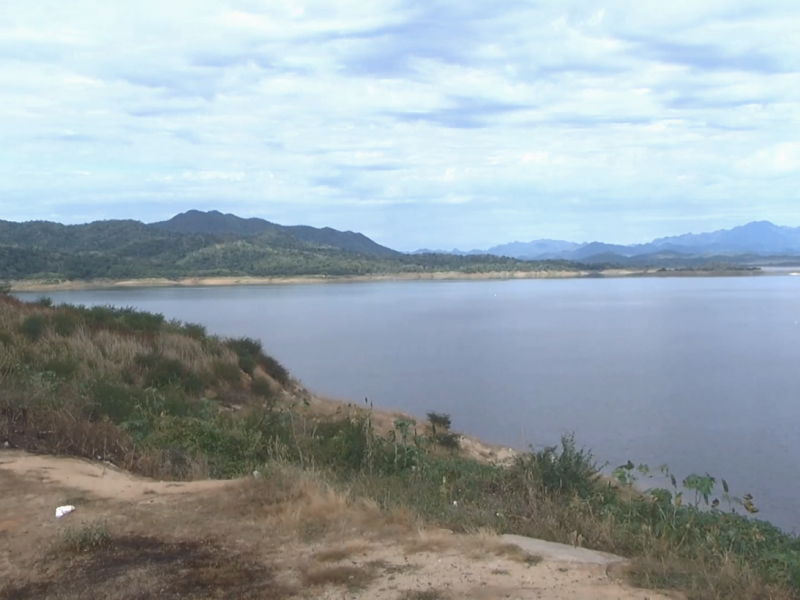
88,537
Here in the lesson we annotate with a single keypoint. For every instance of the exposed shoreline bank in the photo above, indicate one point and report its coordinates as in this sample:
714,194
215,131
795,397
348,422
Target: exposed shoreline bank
103,284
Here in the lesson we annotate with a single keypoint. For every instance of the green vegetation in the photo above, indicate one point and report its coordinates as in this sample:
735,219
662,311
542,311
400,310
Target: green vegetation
164,399
115,250
90,536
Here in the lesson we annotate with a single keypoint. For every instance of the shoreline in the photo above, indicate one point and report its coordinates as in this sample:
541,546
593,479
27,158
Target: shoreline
103,284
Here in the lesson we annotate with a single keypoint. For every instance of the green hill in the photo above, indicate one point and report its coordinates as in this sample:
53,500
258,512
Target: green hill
198,244
214,222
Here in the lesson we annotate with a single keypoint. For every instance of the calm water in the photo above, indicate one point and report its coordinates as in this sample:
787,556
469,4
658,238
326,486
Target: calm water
703,374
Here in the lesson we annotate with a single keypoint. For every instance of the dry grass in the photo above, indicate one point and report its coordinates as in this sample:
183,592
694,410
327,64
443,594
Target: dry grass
147,567
429,542
352,577
698,581
302,502
339,553
429,594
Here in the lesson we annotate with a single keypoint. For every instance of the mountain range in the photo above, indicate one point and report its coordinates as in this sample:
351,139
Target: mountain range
212,244
759,238
197,243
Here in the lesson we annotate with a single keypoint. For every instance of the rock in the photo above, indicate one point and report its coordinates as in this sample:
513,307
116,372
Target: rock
562,552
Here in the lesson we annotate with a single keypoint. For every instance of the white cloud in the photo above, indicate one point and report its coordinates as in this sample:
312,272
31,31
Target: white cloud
429,122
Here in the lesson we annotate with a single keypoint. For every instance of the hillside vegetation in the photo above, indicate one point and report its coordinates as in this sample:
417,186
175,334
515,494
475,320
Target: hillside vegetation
164,399
118,250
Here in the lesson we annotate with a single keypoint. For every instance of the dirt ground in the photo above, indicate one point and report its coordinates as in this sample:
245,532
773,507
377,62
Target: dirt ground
280,536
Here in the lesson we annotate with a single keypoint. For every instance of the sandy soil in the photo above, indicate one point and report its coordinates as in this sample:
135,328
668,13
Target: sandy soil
242,539
38,286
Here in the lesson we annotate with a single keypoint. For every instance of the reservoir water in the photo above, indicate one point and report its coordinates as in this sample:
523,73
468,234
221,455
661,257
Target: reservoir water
700,373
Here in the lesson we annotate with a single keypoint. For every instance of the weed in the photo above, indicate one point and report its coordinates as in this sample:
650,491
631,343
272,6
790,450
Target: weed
86,538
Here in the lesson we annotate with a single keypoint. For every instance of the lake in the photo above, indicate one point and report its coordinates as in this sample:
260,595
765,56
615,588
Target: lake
700,373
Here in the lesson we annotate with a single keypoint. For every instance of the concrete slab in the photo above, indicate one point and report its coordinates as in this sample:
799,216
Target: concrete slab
562,552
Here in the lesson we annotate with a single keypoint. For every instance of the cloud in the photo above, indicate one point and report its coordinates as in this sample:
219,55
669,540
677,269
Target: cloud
420,122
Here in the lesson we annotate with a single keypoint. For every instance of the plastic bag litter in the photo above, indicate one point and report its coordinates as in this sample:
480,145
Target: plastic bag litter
64,510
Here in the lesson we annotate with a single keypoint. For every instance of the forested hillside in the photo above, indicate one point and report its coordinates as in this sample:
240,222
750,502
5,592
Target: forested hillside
131,250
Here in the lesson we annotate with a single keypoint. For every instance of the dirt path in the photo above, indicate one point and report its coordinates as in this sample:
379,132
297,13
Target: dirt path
252,539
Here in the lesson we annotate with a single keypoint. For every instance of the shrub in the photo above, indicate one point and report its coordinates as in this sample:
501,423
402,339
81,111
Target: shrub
439,421
261,387
114,401
100,315
34,327
65,322
141,321
274,369
248,364
566,471
245,346
44,301
164,372
448,439
227,373
194,330
146,360
63,368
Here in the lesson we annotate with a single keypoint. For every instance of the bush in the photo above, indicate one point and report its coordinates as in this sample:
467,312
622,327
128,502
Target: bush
141,321
114,401
63,368
566,471
195,331
261,387
448,439
245,346
227,373
274,369
163,372
100,315
439,421
34,327
65,322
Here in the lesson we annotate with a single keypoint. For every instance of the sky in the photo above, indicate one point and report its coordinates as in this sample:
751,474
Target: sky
420,123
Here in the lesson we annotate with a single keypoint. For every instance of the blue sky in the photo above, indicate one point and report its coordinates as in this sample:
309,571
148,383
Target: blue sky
420,123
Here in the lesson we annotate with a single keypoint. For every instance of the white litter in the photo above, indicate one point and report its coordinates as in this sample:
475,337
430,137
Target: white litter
64,510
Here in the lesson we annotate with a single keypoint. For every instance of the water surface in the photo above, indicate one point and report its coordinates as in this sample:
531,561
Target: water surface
699,373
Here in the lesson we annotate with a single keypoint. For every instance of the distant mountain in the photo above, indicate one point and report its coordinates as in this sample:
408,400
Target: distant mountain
215,223
760,238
